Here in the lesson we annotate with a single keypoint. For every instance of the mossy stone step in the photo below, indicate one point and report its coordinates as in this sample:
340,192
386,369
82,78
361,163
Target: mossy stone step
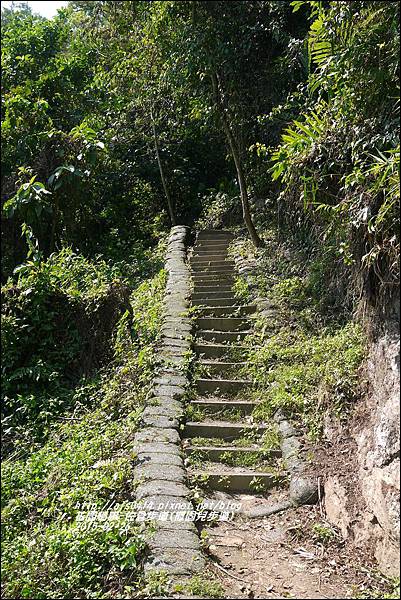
252,481
214,453
228,310
229,386
215,288
214,367
216,405
220,429
222,323
216,254
220,276
208,278
214,299
214,231
201,262
212,270
209,335
213,245
204,257
215,259
219,350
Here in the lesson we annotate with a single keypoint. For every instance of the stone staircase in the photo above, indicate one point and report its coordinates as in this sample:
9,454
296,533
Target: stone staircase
227,445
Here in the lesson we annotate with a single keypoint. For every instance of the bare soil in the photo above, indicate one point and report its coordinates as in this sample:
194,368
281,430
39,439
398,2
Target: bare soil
281,556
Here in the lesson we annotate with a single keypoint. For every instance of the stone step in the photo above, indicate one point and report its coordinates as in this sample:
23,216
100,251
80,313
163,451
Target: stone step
218,350
228,386
214,453
213,278
204,257
216,232
213,239
227,311
218,261
241,480
213,245
215,405
219,301
212,289
197,270
199,262
220,429
209,335
212,275
233,324
216,367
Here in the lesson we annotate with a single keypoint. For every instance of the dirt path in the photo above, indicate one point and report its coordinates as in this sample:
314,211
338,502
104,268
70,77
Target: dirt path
281,556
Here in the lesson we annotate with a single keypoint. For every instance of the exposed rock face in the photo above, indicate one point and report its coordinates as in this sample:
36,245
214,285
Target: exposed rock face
377,522
379,452
336,500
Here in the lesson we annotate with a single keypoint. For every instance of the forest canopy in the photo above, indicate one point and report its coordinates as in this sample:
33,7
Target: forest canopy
122,118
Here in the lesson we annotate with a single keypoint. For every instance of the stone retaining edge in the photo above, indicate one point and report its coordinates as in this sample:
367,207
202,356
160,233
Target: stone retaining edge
174,547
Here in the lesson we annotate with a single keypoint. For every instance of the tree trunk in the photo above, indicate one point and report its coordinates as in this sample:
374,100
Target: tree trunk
161,170
53,233
238,164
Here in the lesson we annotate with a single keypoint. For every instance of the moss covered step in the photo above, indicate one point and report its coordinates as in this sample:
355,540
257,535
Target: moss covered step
224,430
222,323
214,367
213,277
211,270
215,453
212,267
219,350
229,386
217,405
227,311
211,290
197,262
234,479
213,243
206,254
227,337
206,257
216,287
214,233
214,299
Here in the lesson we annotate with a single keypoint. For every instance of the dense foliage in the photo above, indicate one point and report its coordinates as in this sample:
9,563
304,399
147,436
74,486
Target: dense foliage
120,119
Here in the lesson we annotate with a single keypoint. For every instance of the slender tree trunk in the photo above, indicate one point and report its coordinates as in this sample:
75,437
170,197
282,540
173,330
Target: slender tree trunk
53,233
238,164
161,170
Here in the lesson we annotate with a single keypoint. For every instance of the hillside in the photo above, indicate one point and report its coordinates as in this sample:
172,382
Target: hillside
200,298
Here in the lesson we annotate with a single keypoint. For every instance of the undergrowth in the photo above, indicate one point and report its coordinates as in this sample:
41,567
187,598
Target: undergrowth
85,460
305,351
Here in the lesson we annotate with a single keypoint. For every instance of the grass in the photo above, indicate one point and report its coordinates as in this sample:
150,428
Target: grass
323,533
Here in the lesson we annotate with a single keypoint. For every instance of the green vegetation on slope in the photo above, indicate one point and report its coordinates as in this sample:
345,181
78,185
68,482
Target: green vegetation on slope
87,459
306,350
